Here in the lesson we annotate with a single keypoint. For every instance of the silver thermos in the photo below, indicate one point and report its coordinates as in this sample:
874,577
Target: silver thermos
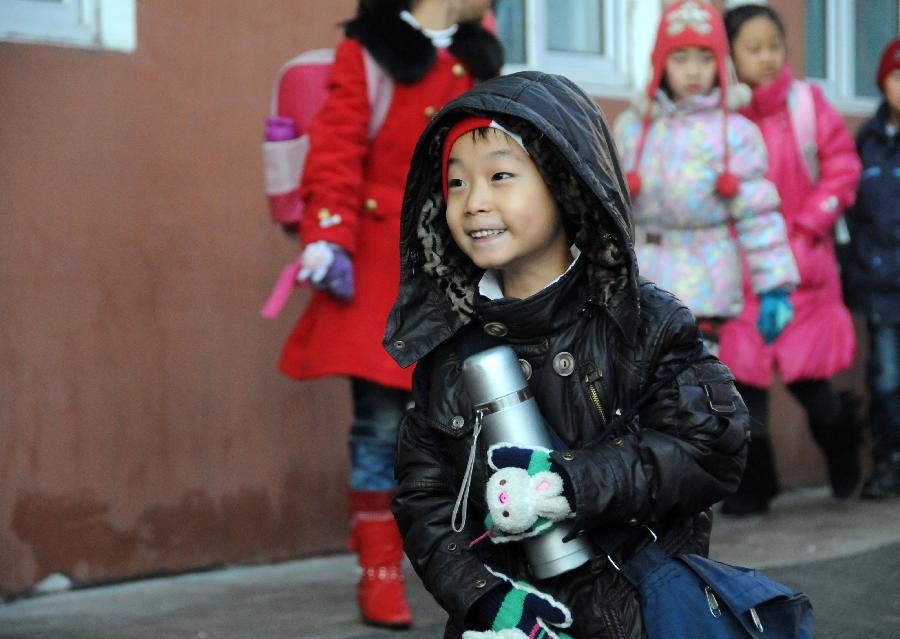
498,389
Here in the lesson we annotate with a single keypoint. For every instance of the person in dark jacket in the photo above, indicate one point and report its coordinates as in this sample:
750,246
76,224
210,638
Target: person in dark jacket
516,224
871,272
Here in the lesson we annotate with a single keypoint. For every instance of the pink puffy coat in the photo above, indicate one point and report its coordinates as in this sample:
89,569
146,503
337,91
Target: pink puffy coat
820,340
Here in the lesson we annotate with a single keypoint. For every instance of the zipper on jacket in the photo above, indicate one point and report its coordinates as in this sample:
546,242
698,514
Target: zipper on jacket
591,381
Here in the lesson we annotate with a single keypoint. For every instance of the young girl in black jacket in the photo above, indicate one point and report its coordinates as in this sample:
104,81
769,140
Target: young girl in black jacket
516,223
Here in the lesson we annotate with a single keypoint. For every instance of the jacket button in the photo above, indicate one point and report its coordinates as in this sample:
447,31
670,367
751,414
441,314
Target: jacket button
568,456
371,204
495,329
430,111
458,69
526,368
618,441
399,344
452,547
480,583
324,214
564,364
457,422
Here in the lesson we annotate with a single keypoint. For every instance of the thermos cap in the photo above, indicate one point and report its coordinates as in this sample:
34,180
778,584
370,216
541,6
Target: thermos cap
492,374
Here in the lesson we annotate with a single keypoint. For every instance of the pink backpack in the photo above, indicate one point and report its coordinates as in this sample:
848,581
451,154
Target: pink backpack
301,87
803,120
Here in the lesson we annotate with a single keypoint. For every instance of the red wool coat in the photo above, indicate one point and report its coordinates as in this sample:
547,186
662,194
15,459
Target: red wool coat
361,183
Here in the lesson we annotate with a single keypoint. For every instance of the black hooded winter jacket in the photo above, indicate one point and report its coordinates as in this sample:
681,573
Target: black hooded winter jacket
685,450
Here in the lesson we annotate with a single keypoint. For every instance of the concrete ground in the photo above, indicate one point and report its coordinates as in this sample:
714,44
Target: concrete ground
844,555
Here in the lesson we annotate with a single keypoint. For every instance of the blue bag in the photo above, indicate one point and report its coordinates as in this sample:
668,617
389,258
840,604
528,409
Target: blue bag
692,597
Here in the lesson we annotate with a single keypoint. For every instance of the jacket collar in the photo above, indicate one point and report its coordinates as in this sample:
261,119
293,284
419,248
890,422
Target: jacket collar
876,126
407,54
542,314
770,98
692,104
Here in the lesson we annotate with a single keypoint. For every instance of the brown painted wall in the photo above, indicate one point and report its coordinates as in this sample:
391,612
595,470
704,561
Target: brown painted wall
143,426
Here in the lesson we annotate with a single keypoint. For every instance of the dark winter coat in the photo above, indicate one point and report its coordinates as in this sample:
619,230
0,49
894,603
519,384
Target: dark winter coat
353,187
872,265
623,334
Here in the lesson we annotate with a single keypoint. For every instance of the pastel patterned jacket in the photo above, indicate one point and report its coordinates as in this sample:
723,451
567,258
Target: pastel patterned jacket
688,238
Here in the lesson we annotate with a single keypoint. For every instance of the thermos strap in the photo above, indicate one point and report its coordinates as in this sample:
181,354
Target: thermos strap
462,499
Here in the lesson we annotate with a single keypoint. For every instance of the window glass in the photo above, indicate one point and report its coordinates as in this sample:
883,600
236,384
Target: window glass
510,15
575,26
875,25
816,33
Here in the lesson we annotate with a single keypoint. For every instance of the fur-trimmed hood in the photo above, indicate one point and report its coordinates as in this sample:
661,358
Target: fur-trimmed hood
407,54
566,134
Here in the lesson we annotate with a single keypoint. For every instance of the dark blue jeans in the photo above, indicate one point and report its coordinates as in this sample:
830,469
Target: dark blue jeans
377,411
883,375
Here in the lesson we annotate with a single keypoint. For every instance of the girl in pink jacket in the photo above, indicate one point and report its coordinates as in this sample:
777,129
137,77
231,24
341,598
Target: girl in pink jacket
816,184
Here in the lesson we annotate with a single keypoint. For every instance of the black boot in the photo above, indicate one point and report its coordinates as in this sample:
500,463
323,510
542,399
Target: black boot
758,485
840,440
885,479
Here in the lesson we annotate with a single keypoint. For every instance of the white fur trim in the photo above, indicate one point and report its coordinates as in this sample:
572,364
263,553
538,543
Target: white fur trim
506,633
521,585
511,445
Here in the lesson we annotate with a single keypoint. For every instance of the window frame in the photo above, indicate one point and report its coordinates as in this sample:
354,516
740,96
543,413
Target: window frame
90,24
625,64
839,83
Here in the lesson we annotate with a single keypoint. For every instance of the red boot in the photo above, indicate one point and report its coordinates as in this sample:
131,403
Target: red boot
375,537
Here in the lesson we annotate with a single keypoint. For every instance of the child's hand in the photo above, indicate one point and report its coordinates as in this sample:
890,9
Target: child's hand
775,312
328,267
517,610
527,493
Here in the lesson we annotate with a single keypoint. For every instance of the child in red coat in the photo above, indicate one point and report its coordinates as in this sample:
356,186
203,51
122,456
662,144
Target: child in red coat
429,51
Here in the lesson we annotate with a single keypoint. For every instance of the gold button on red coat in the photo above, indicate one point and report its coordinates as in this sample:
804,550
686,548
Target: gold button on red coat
430,111
371,204
458,70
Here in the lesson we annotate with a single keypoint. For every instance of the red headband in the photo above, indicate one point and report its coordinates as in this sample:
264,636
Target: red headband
457,131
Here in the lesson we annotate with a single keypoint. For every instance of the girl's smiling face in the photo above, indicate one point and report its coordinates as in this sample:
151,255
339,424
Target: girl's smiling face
758,51
501,213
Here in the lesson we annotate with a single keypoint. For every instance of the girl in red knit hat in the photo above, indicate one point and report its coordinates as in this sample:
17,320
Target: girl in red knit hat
696,173
814,165
872,271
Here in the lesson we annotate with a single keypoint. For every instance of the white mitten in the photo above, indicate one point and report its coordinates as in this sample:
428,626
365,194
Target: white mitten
317,259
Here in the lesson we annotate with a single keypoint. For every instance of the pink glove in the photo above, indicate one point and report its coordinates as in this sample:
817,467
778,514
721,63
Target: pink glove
280,128
328,267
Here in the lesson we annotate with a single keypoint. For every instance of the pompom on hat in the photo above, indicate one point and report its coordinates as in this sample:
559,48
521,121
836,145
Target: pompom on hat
890,61
689,23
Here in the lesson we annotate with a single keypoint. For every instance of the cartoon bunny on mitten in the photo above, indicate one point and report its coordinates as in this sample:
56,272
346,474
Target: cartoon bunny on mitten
525,495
